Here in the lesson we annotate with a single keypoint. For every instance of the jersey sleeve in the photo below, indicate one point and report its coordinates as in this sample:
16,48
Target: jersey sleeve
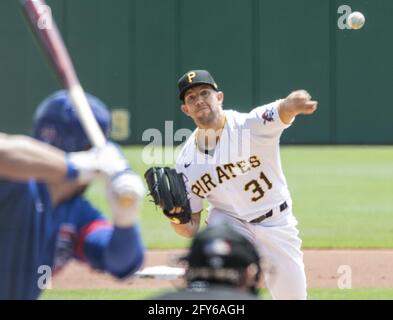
119,251
196,203
87,220
265,121
104,247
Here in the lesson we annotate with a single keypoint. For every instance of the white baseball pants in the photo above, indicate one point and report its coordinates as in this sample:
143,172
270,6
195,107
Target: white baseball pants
279,246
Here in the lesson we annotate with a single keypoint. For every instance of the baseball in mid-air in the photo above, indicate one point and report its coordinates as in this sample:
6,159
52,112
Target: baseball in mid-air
356,20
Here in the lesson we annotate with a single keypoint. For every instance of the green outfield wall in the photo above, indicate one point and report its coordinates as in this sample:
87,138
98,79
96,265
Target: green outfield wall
130,53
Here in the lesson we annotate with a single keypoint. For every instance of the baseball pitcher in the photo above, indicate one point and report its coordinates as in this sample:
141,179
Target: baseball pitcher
232,160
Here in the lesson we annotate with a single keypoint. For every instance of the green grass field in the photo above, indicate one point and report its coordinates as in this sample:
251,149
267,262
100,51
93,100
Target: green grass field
343,197
138,294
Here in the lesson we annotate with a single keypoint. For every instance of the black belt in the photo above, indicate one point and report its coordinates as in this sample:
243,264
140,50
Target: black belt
283,206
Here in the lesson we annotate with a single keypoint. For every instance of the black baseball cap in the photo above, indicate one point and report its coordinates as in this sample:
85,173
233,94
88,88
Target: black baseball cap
221,247
193,78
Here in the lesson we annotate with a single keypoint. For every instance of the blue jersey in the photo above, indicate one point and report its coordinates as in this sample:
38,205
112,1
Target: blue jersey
33,234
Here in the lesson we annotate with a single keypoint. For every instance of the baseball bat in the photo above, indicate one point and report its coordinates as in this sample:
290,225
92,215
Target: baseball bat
41,22
43,26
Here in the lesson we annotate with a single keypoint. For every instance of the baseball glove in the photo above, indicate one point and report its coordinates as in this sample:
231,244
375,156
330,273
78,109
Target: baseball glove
168,190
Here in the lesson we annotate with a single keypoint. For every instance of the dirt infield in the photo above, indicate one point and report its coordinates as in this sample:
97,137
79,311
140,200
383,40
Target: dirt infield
369,268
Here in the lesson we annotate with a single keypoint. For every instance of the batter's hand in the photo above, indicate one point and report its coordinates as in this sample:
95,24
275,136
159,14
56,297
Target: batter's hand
82,166
107,161
125,182
297,102
111,161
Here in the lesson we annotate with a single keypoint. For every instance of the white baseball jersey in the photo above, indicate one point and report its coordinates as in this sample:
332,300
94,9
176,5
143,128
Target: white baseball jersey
243,177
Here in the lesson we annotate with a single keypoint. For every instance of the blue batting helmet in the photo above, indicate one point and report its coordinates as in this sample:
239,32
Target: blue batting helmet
56,122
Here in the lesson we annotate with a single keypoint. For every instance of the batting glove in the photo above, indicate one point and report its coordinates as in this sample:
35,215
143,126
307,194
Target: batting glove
125,193
125,188
82,166
111,161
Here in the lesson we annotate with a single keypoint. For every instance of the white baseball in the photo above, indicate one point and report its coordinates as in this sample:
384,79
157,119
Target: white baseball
356,20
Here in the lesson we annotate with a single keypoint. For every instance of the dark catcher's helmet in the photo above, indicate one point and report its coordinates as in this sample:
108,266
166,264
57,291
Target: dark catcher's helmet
220,254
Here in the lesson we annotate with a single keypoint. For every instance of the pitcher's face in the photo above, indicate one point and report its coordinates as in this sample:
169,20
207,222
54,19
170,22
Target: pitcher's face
203,104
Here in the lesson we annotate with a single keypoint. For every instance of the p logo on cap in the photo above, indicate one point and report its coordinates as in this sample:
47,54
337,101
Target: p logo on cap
193,78
191,75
